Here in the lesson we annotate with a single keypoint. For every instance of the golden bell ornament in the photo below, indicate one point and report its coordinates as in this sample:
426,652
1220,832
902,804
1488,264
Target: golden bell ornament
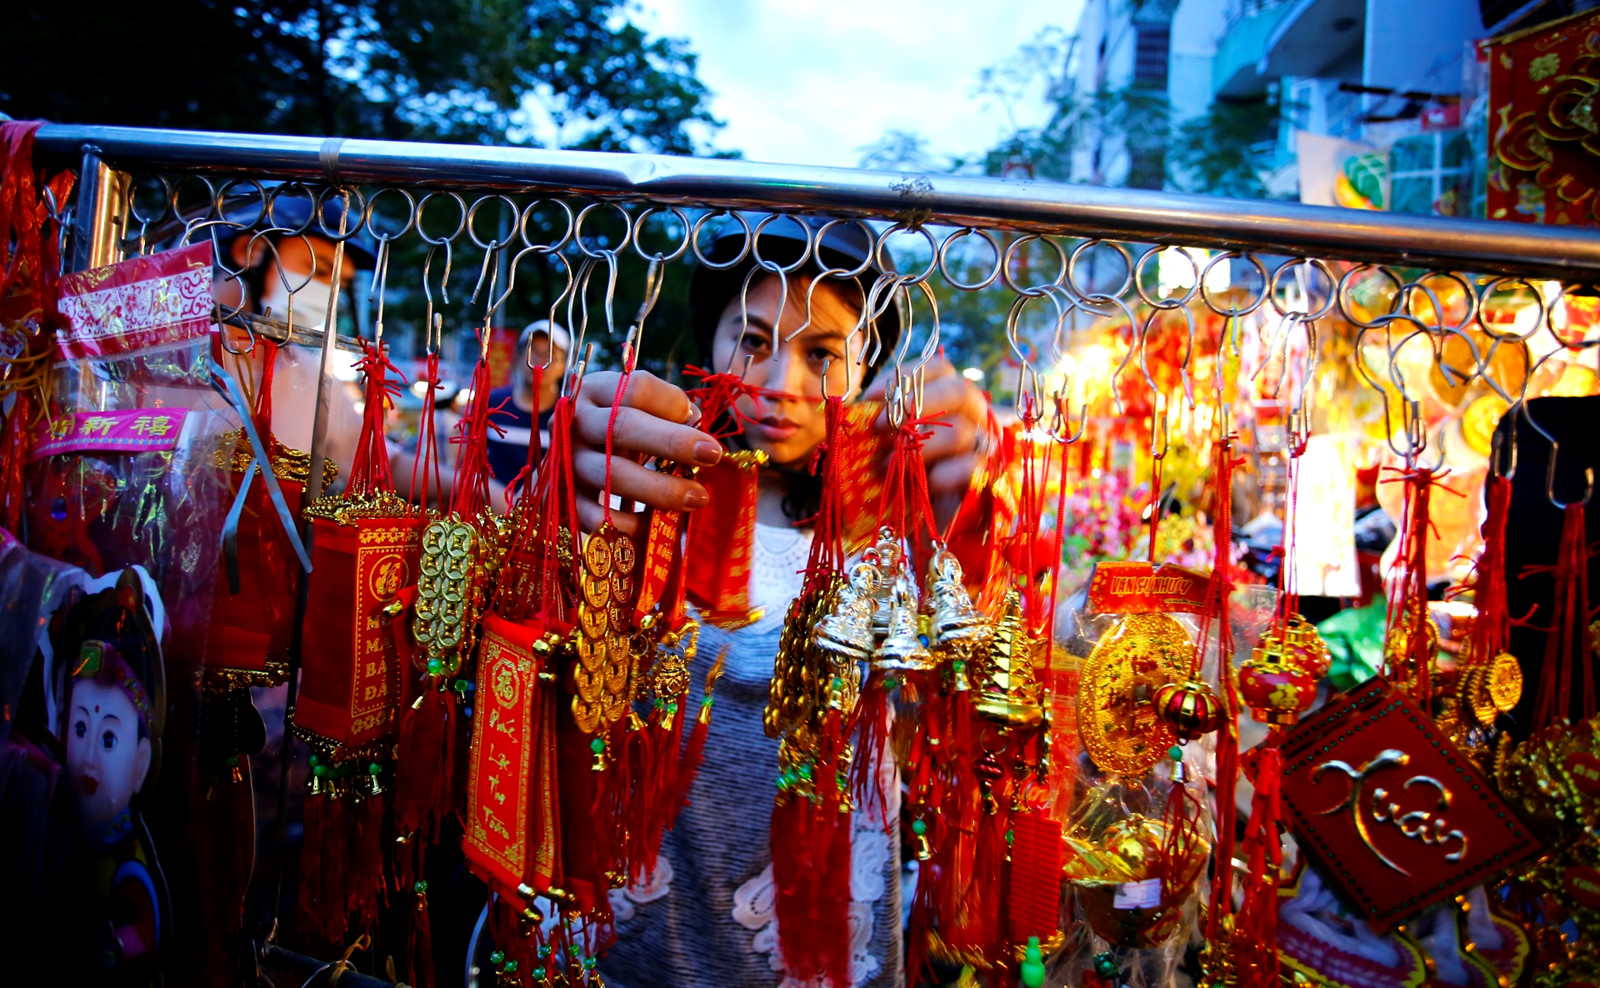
847,630
1008,689
903,648
955,622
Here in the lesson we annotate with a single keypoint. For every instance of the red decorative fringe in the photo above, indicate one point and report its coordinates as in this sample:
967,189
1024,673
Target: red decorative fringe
1255,935
419,945
1568,639
425,760
325,824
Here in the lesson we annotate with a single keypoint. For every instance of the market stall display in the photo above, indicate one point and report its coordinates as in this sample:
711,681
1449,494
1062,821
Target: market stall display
1080,691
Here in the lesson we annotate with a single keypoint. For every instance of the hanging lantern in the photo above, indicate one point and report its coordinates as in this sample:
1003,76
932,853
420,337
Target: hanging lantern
1276,682
1191,708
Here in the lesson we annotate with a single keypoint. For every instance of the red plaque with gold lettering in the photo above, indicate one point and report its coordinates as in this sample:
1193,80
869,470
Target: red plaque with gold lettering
511,828
1390,811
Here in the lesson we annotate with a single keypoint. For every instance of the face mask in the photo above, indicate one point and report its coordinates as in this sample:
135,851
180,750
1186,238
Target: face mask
310,300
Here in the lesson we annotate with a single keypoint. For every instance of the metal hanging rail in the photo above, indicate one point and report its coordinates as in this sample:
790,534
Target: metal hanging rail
1479,246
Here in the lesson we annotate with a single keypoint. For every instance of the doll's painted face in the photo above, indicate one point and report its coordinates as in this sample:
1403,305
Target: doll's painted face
106,758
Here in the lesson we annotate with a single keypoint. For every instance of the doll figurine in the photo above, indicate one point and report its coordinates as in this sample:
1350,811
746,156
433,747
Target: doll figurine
111,718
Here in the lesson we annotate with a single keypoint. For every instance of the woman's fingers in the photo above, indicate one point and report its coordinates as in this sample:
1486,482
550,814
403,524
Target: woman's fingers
655,420
591,516
645,392
632,482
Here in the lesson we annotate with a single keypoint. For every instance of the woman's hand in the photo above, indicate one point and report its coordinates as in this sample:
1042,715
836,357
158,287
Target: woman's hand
952,454
656,421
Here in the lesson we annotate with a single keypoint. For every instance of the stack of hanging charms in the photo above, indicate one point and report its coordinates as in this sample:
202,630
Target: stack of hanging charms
988,891
364,552
811,706
511,830
462,551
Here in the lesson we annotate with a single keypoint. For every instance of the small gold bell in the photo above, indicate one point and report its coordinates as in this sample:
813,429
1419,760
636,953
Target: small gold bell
903,649
847,629
955,620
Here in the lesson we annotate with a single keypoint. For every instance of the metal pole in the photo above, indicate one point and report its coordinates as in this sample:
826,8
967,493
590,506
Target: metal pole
1481,246
97,224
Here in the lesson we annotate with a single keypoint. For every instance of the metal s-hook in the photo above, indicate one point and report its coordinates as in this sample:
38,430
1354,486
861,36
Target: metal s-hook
1550,468
652,292
1060,421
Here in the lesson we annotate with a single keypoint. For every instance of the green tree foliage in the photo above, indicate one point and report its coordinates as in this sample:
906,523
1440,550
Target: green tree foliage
556,73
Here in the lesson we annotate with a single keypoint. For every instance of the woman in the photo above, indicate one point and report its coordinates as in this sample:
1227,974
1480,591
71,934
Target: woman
706,917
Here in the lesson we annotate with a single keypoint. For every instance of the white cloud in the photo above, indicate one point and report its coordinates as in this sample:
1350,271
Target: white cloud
813,83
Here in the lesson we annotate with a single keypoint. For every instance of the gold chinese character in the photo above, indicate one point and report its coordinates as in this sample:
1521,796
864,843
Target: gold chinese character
154,426
96,423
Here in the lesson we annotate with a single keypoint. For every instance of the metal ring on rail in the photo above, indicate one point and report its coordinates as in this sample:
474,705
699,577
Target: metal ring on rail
201,203
1166,303
495,243
841,274
351,229
461,223
1024,408
944,257
694,240
1584,342
1234,312
550,247
370,220
133,215
1493,287
1308,264
1043,288
1350,278
1092,296
773,266
638,227
918,229
599,252
1420,286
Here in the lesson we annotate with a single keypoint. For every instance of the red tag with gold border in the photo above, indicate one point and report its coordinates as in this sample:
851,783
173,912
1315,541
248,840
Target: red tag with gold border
1390,810
511,835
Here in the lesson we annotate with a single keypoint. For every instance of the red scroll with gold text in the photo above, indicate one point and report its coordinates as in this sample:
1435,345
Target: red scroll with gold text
512,833
350,683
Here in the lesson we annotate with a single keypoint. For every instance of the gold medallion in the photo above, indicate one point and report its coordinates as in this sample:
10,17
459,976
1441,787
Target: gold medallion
1117,717
1479,420
1504,682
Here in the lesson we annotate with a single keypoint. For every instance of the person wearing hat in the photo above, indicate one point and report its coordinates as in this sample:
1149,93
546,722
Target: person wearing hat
282,274
542,343
706,917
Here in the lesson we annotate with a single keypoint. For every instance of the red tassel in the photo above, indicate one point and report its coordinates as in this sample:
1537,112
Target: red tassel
872,713
425,764
364,876
694,754
419,943
323,860
1255,936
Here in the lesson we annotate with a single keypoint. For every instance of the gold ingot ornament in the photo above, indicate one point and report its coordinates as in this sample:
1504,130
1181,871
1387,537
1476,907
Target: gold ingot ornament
1003,673
1118,722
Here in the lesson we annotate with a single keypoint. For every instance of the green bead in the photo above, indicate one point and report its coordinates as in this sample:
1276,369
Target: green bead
1106,965
805,772
588,963
497,958
374,769
315,761
460,686
1176,751
319,770
1033,964
544,951
891,683
919,827
577,951
959,665
231,761
1011,836
672,710
538,974
511,967
598,745
836,683
706,702
435,667
421,888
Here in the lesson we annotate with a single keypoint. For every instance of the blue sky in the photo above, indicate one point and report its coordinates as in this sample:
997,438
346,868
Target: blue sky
812,83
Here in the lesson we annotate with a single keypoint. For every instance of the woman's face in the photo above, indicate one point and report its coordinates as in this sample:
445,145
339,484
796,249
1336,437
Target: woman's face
788,422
